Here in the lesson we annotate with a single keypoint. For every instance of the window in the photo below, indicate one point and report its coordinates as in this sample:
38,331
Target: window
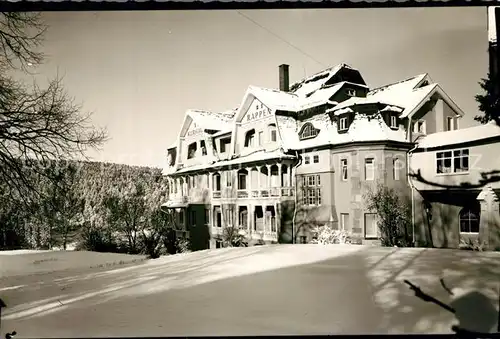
203,148
308,131
371,227
249,138
342,124
316,159
216,183
224,144
193,218
456,161
351,92
419,127
218,244
343,167
207,216
195,179
229,179
181,217
242,181
261,138
303,239
272,132
394,121
312,190
369,169
192,150
243,222
306,160
449,123
396,168
469,220
344,221
217,217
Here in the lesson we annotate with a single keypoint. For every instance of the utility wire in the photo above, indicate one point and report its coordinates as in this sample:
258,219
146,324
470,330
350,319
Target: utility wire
280,38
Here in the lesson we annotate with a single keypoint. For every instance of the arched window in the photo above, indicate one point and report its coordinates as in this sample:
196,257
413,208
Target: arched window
272,132
250,138
469,219
308,131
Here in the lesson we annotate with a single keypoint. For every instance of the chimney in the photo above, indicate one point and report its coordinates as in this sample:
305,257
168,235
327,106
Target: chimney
284,79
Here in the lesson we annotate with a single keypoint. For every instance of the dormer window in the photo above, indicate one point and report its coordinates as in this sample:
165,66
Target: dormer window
203,148
250,138
343,124
192,150
308,131
351,92
394,121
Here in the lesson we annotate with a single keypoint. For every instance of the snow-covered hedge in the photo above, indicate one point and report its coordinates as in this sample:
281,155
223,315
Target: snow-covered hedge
327,235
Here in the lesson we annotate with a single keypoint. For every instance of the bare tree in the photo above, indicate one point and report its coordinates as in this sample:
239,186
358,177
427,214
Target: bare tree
35,123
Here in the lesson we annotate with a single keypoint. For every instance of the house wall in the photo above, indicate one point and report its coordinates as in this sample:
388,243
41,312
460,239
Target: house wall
339,196
481,161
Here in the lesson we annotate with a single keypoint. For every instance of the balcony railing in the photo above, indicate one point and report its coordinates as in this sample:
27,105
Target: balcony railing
242,194
272,192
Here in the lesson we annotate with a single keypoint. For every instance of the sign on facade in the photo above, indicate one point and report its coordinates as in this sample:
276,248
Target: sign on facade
194,130
256,111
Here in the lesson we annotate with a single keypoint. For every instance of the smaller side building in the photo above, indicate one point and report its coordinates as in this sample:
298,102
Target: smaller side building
455,180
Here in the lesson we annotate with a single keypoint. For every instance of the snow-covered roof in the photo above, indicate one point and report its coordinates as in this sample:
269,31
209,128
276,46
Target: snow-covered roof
405,96
316,81
460,136
212,120
362,129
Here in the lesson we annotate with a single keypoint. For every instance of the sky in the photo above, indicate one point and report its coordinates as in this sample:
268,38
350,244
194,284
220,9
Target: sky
138,72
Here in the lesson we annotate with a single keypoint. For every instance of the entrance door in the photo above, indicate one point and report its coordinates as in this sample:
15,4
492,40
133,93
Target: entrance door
371,228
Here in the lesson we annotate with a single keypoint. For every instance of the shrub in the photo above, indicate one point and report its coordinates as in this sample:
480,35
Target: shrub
183,246
394,216
94,239
325,235
470,244
232,237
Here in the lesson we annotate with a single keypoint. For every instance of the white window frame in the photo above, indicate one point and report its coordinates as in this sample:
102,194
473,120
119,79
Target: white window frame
452,156
449,124
469,212
307,160
311,190
343,124
351,92
396,169
394,121
417,129
344,221
229,179
261,138
315,159
344,169
369,164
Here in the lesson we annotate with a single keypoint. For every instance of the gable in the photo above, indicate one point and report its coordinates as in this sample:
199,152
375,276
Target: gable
194,130
256,111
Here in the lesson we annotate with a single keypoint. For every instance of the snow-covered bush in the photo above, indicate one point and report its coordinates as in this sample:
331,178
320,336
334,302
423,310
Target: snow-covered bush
325,235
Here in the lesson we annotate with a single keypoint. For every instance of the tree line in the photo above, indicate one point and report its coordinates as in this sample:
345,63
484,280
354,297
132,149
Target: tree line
94,205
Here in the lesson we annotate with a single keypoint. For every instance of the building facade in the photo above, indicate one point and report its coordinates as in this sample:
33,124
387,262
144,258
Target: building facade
303,155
